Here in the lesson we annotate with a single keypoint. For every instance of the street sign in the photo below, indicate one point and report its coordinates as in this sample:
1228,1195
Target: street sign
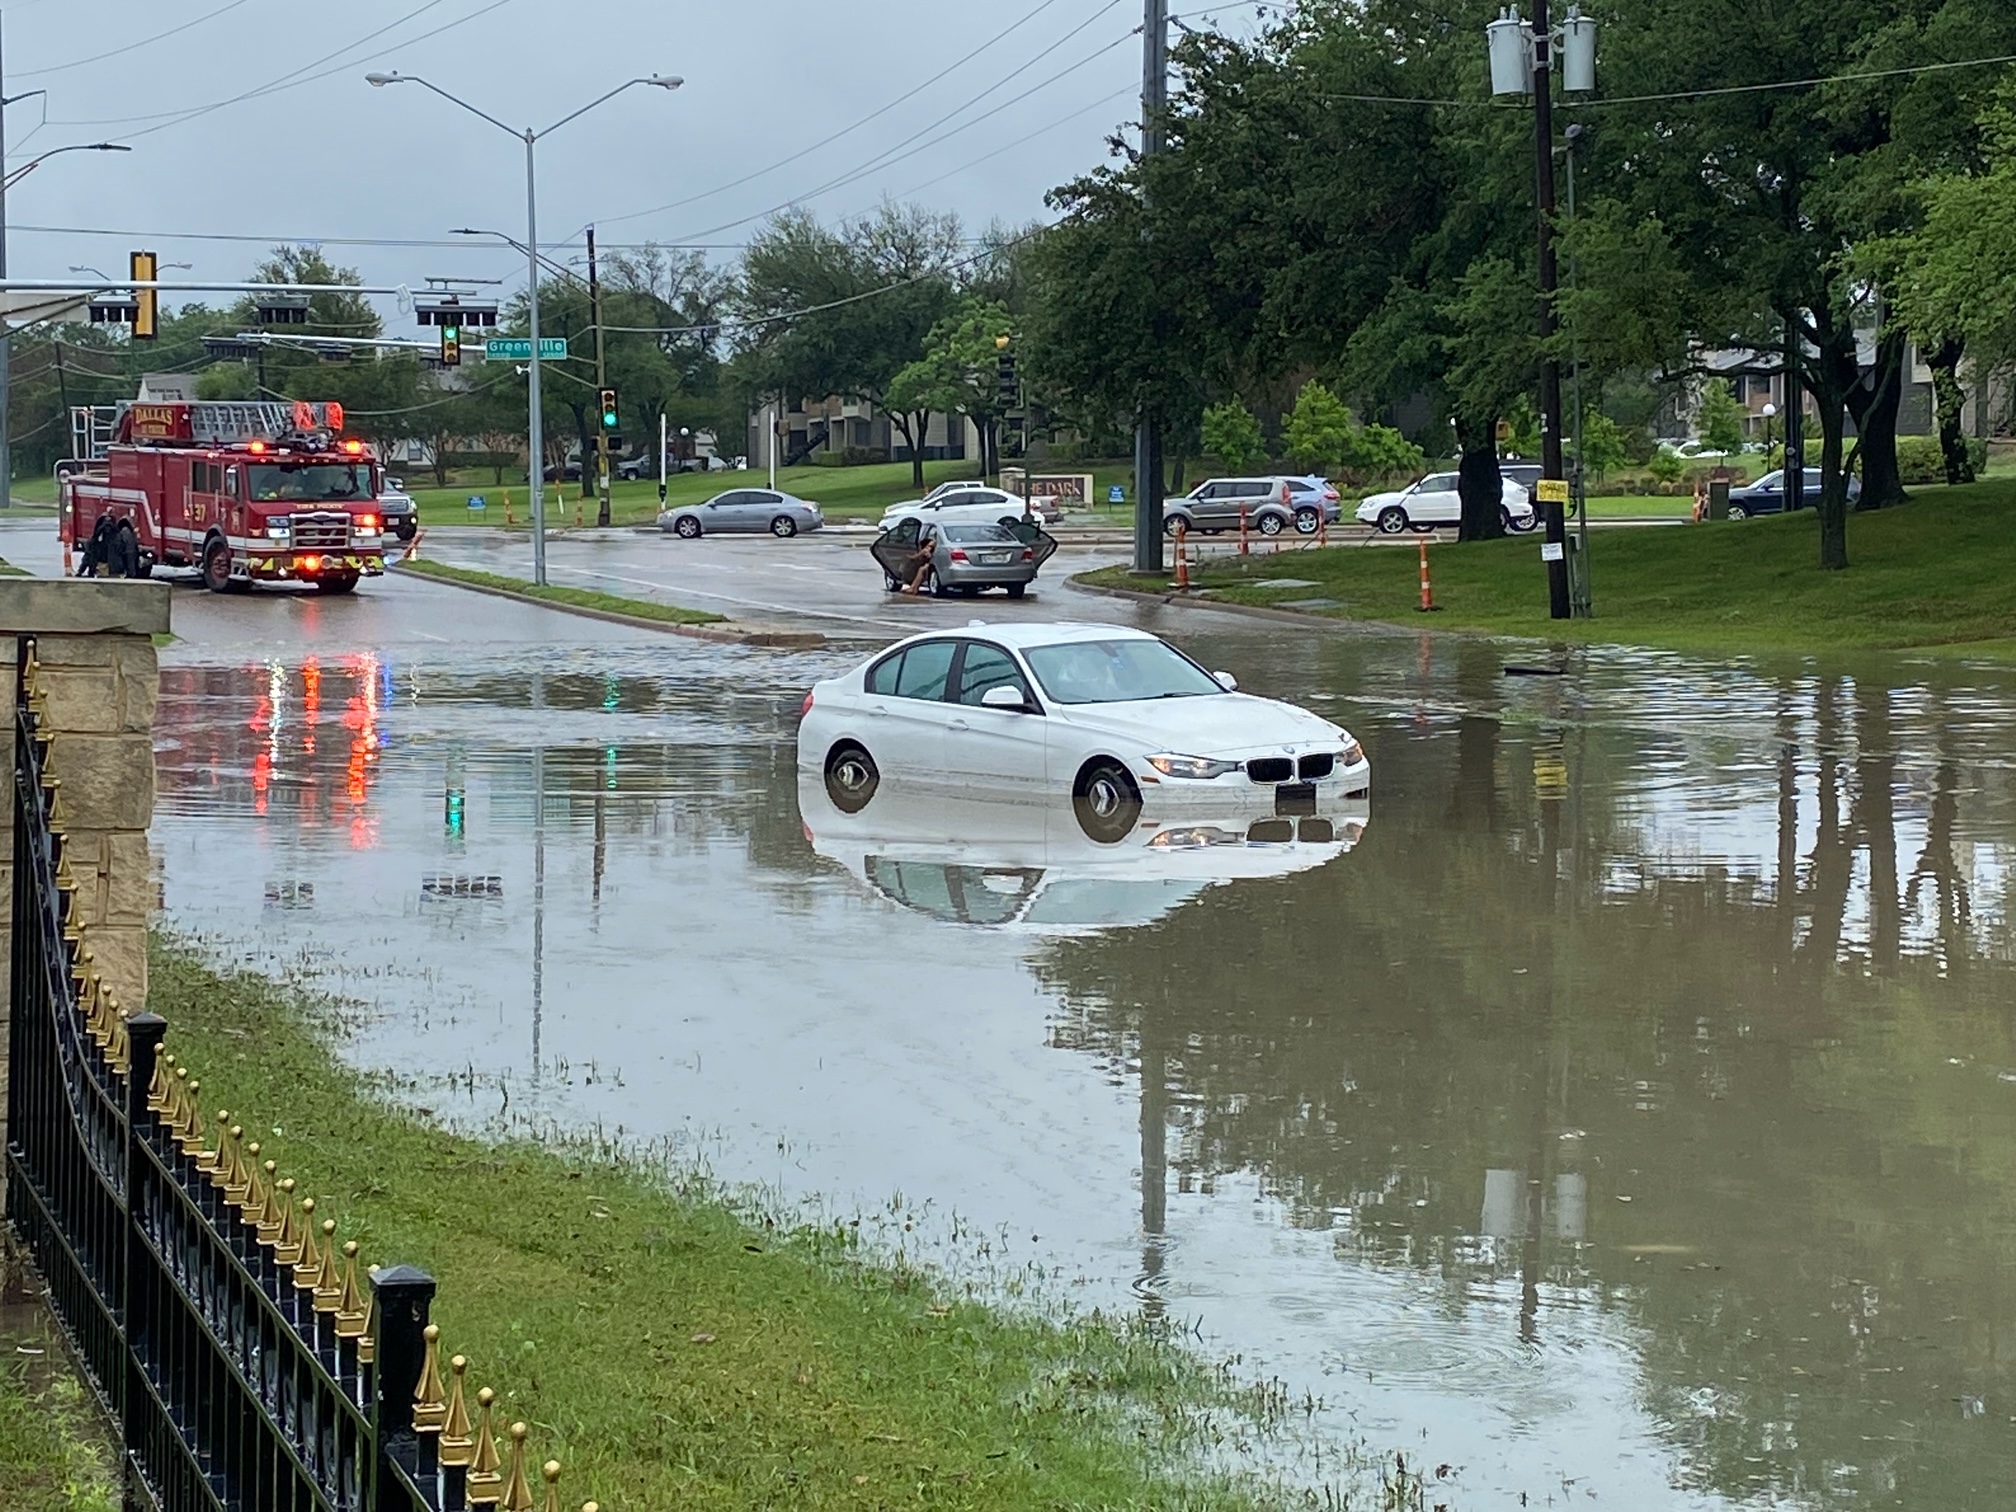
1551,551
519,349
476,502
1116,495
1551,491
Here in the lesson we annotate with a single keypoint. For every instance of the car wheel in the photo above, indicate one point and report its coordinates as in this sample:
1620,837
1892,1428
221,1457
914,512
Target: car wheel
783,527
686,528
932,585
1107,801
1016,590
1738,512
1518,526
1176,524
217,567
1392,520
347,583
1272,525
851,777
1307,521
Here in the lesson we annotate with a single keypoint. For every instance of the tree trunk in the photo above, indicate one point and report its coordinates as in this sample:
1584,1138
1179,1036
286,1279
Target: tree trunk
1833,487
1874,404
914,427
1478,482
1948,400
1177,463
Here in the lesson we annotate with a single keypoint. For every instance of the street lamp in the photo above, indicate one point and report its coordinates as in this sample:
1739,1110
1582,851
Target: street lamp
6,354
1770,414
1520,64
535,429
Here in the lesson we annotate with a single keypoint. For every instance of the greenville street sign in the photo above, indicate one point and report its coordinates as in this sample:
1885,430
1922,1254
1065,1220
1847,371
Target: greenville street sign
519,349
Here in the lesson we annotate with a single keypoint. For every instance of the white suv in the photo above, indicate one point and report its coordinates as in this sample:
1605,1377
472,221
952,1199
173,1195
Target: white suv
1434,501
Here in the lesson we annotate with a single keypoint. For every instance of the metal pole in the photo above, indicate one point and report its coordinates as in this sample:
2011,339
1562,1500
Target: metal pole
535,422
1584,603
661,458
1147,437
601,378
1558,604
776,406
1795,423
6,345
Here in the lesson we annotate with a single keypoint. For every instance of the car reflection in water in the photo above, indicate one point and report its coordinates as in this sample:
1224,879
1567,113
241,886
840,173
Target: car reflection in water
1031,868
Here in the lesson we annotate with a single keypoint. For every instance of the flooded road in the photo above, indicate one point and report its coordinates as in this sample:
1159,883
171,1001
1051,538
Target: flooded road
1622,1109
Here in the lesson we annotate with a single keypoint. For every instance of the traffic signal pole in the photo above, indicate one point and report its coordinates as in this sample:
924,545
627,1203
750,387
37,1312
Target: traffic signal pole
535,425
601,382
1147,433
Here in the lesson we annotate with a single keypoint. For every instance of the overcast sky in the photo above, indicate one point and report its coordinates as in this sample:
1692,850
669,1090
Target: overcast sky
316,154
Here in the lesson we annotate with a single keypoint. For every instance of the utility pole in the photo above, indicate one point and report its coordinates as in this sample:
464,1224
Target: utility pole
1147,434
1795,429
1559,606
6,346
601,379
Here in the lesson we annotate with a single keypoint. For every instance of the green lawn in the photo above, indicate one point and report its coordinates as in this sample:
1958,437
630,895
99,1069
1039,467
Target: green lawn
577,598
676,1350
1940,571
55,1452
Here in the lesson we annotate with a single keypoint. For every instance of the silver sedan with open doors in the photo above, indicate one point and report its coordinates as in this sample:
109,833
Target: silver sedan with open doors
964,557
743,511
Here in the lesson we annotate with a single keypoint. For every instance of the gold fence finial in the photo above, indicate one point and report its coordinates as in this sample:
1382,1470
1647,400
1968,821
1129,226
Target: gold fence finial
329,1285
229,1157
458,1442
551,1471
272,1214
80,968
308,1268
486,1470
367,1341
430,1396
287,1244
158,1100
240,1180
517,1489
351,1313
120,1051
192,1130
252,1202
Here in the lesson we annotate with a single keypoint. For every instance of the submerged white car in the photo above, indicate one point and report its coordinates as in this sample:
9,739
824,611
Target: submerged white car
1118,721
1029,868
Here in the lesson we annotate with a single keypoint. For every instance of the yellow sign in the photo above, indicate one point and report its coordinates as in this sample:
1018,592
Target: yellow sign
1504,430
1551,491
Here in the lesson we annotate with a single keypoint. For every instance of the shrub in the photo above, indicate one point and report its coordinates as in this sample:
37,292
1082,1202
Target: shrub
1920,459
1232,435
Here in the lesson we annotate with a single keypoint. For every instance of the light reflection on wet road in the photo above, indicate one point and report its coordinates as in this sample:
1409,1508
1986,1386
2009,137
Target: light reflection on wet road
1625,1116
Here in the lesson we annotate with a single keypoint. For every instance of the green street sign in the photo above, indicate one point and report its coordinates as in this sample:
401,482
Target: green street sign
519,349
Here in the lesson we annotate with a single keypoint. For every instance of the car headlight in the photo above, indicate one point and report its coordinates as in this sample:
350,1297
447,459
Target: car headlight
1200,768
279,530
1352,755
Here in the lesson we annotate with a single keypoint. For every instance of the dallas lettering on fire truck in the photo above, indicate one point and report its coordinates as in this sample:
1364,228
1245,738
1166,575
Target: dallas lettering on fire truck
244,492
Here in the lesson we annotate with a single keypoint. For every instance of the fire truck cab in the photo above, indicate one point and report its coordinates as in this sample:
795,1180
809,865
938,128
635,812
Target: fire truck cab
244,493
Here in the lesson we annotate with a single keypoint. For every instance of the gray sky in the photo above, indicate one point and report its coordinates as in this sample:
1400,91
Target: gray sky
321,155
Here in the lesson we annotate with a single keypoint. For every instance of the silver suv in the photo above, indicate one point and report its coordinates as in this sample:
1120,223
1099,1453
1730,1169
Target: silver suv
1269,504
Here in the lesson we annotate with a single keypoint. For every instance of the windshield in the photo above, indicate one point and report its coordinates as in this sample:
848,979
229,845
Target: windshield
975,533
1118,671
309,482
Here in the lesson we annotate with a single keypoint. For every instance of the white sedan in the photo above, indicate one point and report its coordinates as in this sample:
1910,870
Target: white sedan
962,503
1434,501
1117,720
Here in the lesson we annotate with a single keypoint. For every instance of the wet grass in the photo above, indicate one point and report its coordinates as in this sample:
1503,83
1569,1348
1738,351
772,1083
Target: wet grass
575,598
674,1348
55,1451
1938,572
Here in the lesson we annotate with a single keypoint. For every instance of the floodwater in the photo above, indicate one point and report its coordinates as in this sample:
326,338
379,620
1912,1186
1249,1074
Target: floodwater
1620,1109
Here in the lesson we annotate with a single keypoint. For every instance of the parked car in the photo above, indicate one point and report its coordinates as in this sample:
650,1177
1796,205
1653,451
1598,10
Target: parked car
1434,501
968,558
565,472
1526,474
748,511
1110,718
1314,496
970,503
402,515
1767,494
630,469
1269,505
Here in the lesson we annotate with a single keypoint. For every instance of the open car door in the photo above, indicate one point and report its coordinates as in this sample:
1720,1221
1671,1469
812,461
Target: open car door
1032,535
894,548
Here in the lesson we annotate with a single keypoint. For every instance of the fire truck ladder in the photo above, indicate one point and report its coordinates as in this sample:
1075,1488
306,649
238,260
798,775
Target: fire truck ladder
91,430
212,422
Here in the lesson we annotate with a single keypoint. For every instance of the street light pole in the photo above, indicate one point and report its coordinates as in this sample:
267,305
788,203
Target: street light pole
535,432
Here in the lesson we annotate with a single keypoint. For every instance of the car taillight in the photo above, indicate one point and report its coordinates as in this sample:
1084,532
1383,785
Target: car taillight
808,706
958,555
1028,555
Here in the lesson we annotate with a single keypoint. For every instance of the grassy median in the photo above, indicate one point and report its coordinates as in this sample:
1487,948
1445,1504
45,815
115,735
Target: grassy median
1938,572
675,1349
573,598
55,1451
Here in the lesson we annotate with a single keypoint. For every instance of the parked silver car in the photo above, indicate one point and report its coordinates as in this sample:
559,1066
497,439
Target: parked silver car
1268,505
747,511
966,556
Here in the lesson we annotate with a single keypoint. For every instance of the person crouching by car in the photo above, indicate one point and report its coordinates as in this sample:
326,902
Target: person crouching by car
122,551
918,563
94,549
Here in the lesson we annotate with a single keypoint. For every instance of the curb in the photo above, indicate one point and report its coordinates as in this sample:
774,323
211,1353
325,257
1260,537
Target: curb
1276,616
720,634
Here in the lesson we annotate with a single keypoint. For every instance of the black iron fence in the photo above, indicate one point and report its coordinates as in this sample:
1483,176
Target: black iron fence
249,1359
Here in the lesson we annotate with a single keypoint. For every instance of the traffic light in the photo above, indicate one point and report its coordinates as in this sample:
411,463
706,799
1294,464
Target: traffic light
451,345
1008,390
609,420
147,302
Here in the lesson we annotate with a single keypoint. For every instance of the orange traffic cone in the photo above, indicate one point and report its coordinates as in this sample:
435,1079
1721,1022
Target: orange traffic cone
1182,562
1427,588
412,553
507,509
1244,548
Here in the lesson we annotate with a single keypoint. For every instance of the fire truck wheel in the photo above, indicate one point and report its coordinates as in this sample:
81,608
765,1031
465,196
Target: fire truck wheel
217,567
344,584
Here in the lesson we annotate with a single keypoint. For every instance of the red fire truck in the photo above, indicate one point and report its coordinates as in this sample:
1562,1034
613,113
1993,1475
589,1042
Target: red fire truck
243,492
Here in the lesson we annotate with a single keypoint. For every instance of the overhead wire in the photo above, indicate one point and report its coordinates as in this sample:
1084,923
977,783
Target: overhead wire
37,73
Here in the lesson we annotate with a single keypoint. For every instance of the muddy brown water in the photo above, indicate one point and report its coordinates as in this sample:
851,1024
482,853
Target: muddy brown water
1620,1109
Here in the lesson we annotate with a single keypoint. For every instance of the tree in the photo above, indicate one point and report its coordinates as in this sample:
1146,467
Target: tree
1377,452
1319,428
959,371
1720,419
1232,435
1603,445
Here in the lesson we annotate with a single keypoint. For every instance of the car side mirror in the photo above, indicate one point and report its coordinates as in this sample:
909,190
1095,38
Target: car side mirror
1227,681
1005,697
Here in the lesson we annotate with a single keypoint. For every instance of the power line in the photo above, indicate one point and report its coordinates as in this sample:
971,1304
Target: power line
36,73
908,95
1122,93
1847,78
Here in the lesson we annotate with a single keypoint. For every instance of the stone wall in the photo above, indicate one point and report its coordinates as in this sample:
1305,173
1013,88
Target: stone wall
94,641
